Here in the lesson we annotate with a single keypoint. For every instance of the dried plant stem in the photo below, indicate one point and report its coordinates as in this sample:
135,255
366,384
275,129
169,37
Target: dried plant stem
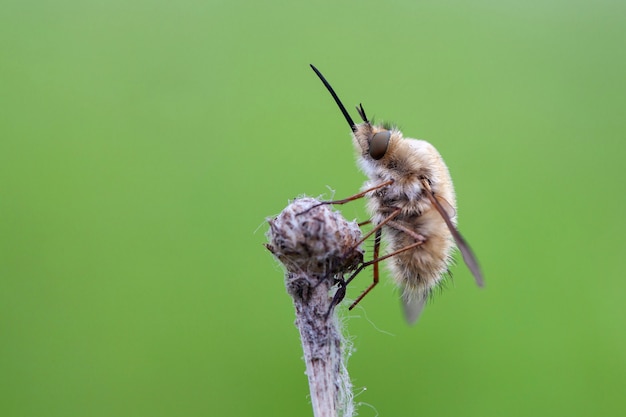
321,343
315,246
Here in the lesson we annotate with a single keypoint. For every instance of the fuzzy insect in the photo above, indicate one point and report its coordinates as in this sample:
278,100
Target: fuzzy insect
413,206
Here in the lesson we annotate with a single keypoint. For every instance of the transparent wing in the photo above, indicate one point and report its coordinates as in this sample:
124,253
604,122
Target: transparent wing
412,307
466,252
447,207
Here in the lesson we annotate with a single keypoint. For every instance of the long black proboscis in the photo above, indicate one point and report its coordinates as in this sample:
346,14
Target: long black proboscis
339,103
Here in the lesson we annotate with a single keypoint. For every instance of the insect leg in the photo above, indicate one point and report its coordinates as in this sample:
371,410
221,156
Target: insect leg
351,198
375,262
375,274
343,283
378,229
406,230
375,229
338,297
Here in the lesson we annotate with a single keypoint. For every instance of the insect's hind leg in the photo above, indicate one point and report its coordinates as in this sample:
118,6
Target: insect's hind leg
375,274
420,240
341,291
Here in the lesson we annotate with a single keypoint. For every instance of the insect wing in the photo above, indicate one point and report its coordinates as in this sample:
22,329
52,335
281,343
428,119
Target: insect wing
466,252
412,307
447,207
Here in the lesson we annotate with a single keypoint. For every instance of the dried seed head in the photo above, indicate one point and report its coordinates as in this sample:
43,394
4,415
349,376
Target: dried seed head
318,241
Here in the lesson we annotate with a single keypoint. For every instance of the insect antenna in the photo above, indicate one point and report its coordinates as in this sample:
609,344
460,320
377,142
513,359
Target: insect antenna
339,103
361,112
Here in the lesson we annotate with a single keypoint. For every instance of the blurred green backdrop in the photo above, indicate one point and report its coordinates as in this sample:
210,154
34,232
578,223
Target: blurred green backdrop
143,143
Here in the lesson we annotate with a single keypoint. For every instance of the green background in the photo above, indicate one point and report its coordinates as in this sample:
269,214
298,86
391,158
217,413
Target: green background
143,143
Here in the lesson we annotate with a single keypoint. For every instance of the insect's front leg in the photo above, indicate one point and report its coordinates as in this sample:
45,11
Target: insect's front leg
349,199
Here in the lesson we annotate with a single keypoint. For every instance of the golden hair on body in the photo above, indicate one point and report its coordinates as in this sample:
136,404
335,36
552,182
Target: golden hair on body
412,204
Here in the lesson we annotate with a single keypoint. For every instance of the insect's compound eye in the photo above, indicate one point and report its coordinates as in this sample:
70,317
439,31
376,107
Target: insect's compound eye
379,144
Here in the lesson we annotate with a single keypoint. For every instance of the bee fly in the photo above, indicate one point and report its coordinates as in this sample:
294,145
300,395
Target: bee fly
412,205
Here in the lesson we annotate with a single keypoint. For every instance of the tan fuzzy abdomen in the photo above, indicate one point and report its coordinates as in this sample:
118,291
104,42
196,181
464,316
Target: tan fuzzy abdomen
420,269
